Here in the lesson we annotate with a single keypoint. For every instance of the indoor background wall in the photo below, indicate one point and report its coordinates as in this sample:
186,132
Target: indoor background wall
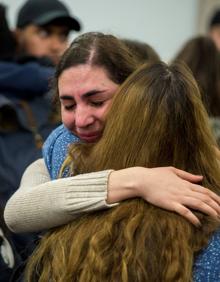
165,24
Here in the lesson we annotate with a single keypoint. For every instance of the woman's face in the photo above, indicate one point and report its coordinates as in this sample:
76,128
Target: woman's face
85,94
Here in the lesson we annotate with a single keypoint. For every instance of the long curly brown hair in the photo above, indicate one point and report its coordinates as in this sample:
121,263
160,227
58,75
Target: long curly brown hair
156,119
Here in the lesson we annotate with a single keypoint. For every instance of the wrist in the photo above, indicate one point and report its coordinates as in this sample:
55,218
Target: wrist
124,184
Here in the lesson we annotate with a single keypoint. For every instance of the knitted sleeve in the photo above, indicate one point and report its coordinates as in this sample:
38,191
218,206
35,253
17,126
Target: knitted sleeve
40,204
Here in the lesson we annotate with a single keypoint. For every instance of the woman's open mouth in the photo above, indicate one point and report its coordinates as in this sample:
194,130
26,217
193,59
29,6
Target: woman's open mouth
90,137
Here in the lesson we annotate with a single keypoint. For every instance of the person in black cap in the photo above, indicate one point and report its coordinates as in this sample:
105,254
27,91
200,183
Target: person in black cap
214,28
43,27
26,113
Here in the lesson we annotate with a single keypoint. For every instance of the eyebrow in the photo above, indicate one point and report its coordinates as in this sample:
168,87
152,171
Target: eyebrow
85,95
66,98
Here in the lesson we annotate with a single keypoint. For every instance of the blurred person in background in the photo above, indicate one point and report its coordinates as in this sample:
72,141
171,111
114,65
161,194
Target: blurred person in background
43,28
20,84
143,51
203,58
27,59
214,28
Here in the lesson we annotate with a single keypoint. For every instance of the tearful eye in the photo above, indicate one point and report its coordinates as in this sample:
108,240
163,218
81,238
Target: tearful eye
69,107
97,103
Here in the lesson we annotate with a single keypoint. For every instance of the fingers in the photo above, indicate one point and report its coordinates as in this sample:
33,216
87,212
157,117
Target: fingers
204,204
211,208
203,200
185,212
186,175
207,192
200,199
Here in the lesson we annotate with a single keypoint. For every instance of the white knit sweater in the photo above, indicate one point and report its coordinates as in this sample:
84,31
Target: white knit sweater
40,203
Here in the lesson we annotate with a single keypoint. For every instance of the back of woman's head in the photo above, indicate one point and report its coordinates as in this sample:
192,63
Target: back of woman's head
156,119
203,58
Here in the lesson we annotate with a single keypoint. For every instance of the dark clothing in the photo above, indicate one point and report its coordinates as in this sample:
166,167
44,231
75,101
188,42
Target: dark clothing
9,258
8,41
17,147
25,110
24,81
29,83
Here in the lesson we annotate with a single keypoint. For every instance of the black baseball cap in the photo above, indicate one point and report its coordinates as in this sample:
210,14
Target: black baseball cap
42,12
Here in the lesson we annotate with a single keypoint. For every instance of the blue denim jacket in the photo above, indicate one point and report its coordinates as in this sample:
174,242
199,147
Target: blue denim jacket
55,149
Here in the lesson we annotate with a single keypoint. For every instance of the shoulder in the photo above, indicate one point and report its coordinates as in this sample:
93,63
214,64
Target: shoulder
207,263
55,148
59,136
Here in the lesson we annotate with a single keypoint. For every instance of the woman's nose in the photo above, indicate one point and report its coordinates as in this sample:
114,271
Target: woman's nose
83,118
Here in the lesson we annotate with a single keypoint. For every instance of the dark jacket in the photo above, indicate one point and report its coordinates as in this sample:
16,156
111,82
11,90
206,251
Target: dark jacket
9,258
25,110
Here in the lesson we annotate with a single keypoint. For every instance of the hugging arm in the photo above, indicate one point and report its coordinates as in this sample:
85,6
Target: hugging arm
41,204
168,188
